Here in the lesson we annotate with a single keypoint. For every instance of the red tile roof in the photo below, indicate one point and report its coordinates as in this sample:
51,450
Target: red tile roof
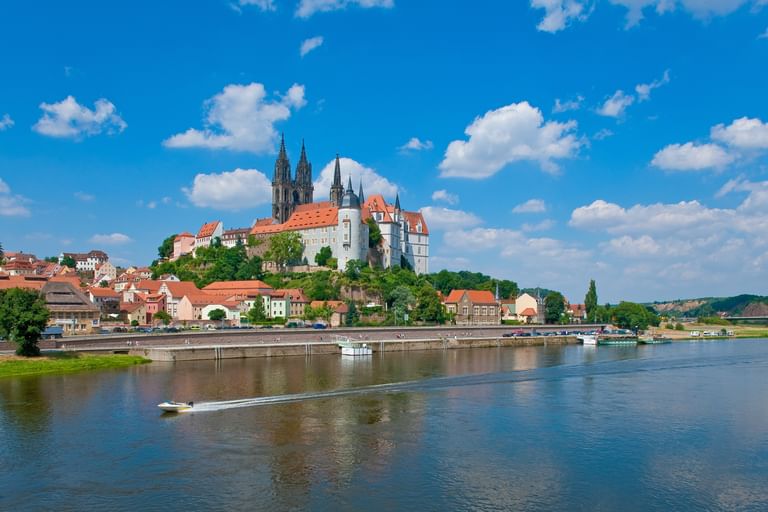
413,219
184,235
97,291
528,312
377,203
237,286
312,216
475,296
148,285
180,288
30,282
207,229
295,294
205,299
336,306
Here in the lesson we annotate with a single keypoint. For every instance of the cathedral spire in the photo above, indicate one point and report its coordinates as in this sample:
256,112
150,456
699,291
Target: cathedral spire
360,193
349,183
397,202
282,165
337,189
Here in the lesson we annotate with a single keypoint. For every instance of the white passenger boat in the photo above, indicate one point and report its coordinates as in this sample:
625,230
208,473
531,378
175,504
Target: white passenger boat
587,339
353,348
171,406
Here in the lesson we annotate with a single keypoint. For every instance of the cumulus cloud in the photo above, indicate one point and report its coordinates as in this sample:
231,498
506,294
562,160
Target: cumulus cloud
11,205
565,106
699,9
414,144
544,225
616,104
691,157
5,122
644,90
742,133
602,134
310,44
234,190
445,196
531,206
373,182
110,239
440,218
513,133
307,8
241,118
558,14
69,119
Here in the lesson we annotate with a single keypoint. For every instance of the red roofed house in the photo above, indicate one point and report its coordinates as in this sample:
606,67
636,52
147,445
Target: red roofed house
298,302
338,309
153,302
18,268
473,307
183,244
577,312
107,299
174,291
527,308
198,306
208,232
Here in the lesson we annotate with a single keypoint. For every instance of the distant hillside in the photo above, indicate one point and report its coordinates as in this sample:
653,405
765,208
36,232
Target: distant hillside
740,305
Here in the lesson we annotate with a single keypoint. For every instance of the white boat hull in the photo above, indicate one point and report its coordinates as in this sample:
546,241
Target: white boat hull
588,339
174,407
356,351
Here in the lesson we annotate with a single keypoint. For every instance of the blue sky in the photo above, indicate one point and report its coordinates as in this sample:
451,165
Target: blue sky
547,142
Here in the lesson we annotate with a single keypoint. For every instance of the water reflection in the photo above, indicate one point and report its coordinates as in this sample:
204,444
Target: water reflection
535,428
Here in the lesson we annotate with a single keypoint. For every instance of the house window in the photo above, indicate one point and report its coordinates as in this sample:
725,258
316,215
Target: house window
491,310
485,311
465,310
476,310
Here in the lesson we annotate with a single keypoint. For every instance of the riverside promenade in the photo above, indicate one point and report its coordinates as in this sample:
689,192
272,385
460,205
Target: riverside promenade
233,344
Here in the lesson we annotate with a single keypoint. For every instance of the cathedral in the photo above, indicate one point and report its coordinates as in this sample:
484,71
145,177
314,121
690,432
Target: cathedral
341,223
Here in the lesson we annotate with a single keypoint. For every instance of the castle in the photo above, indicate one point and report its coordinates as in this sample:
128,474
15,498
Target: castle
341,223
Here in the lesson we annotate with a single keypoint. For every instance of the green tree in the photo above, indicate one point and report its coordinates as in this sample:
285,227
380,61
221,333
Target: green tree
374,233
428,306
285,248
257,314
165,250
401,300
554,307
134,323
630,315
323,255
23,317
253,241
352,316
103,284
217,314
162,316
69,261
354,269
590,301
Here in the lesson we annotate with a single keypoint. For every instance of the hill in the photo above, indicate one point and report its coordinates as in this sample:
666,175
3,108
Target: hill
739,305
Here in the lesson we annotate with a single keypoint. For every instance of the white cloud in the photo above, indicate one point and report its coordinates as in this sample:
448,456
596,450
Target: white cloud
11,205
241,118
445,196
544,225
764,35
691,157
565,106
558,13
307,8
742,133
531,206
111,239
234,190
373,182
83,196
264,5
414,144
440,218
700,9
644,90
602,134
5,122
632,247
616,104
513,133
69,119
310,44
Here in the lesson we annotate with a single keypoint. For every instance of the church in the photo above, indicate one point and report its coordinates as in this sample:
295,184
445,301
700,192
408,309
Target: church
341,223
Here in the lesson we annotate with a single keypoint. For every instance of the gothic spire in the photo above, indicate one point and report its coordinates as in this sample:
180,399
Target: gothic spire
337,172
282,165
303,168
397,202
360,193
349,183
337,189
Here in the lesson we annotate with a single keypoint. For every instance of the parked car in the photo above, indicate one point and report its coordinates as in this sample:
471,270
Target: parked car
319,326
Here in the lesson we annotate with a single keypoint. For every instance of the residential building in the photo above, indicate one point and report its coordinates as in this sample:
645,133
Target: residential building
527,308
208,232
197,307
18,268
183,244
131,311
298,302
338,309
174,291
243,289
86,262
473,307
153,303
279,304
70,308
231,237
104,272
106,299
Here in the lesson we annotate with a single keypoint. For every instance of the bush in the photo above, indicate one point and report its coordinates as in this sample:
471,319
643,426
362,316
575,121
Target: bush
511,322
679,327
713,320
669,326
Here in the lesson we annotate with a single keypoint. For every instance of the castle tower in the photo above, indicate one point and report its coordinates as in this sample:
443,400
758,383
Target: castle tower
337,189
303,184
282,186
351,230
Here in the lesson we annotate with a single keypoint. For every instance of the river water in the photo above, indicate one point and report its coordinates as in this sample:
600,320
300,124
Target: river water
665,427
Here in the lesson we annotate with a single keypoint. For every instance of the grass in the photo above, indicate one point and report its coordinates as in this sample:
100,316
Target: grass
64,362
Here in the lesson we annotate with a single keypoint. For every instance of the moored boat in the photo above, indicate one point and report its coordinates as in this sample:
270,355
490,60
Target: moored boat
171,406
617,341
353,348
587,339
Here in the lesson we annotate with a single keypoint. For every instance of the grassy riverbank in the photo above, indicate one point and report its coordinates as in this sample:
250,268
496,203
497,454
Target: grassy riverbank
64,362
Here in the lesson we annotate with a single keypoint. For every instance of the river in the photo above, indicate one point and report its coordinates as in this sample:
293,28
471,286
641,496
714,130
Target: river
665,427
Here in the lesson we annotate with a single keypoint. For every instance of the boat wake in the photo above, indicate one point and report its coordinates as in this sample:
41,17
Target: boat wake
606,368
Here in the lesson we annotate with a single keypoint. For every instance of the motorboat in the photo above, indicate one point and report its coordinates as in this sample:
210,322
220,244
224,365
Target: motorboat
353,348
587,339
171,406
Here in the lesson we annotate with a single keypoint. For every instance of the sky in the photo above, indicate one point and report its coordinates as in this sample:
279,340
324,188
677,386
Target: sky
549,142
